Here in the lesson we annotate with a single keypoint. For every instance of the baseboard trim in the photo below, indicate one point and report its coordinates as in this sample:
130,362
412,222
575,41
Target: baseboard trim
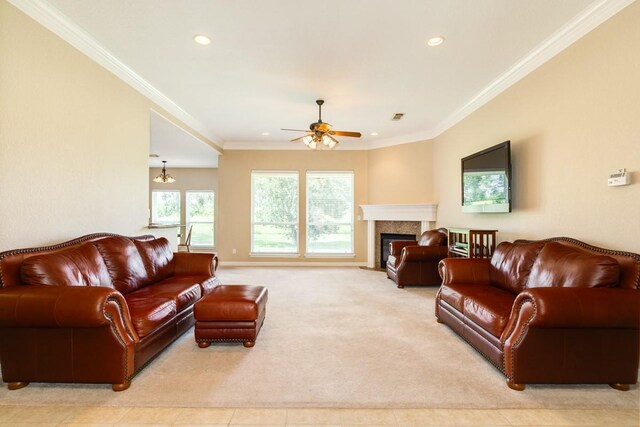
292,264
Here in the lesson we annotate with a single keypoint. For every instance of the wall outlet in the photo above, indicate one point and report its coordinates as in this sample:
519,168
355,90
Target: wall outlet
233,251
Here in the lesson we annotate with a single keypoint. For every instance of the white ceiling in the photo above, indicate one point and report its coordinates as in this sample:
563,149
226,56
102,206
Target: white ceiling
270,60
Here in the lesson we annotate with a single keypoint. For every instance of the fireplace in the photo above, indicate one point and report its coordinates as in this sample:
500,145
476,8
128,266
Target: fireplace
385,239
422,214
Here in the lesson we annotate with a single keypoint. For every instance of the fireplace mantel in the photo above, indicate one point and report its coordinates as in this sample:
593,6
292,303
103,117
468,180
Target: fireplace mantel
423,212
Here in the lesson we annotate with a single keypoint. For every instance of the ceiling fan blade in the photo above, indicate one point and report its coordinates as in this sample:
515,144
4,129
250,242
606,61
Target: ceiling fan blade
297,130
297,139
344,133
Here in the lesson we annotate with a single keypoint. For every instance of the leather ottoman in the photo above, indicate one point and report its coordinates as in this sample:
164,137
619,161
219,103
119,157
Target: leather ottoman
230,313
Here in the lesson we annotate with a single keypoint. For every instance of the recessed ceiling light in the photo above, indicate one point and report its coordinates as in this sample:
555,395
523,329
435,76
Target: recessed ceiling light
374,134
435,41
265,133
201,39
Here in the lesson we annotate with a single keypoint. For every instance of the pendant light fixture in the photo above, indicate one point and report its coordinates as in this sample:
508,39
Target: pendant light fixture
164,176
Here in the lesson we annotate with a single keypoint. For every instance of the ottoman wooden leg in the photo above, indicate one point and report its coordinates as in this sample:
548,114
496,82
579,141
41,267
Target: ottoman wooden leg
203,344
249,344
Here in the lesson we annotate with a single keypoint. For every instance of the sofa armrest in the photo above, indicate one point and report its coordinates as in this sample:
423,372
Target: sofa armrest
189,263
559,307
65,307
396,246
423,253
465,270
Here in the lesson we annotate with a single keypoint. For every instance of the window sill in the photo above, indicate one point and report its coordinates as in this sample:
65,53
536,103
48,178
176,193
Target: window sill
274,255
329,255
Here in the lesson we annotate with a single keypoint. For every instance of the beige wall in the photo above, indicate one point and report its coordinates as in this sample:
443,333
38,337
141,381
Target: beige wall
74,141
196,179
401,174
234,214
571,122
74,145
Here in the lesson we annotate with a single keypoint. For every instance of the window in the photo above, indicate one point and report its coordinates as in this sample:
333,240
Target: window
330,212
165,207
274,212
199,214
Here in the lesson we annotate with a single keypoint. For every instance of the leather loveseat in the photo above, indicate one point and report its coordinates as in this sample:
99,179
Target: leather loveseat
415,262
552,311
95,309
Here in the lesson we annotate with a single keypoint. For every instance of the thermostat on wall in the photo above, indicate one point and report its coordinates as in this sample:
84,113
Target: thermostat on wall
621,177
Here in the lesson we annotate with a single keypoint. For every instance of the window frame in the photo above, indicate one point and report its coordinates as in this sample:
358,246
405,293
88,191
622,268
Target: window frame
295,253
153,204
351,253
213,219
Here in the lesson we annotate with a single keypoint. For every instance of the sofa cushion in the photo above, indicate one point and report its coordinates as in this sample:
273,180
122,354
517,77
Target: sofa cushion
490,309
453,294
157,257
77,266
564,266
511,264
432,238
184,290
123,262
485,305
149,313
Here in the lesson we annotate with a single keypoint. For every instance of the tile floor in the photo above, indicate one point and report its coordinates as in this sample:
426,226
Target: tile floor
246,417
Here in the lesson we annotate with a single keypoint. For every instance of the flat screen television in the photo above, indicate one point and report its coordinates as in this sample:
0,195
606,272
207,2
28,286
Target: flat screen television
486,180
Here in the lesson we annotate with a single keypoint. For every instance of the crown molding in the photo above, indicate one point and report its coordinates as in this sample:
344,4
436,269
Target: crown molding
587,20
56,22
402,139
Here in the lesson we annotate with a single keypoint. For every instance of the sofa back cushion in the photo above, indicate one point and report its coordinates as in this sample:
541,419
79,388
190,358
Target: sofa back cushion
432,238
124,263
559,265
79,266
511,264
157,257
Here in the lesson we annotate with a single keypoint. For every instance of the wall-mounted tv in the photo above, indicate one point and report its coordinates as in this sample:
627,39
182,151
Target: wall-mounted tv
486,180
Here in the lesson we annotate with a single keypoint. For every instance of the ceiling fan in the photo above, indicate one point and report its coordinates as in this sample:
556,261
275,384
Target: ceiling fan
321,134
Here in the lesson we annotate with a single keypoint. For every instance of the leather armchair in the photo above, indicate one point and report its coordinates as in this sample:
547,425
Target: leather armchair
415,262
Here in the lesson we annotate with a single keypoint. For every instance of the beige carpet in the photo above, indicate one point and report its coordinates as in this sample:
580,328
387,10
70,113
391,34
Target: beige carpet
333,337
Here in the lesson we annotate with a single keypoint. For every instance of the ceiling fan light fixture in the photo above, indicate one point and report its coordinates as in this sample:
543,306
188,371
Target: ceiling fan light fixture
163,176
332,144
313,145
307,140
326,140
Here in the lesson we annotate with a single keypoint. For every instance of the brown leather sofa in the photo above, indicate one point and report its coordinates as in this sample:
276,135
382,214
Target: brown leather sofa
554,311
95,309
415,262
